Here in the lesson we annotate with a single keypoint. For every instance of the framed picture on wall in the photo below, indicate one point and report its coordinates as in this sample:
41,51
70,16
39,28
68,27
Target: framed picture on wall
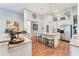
35,26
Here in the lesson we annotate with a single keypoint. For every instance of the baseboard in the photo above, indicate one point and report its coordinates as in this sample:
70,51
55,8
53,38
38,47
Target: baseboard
65,40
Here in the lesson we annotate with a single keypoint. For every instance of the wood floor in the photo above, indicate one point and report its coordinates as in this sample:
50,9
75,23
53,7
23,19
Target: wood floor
39,49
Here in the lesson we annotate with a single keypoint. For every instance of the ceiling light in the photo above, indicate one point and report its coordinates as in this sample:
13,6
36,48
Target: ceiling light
41,10
56,10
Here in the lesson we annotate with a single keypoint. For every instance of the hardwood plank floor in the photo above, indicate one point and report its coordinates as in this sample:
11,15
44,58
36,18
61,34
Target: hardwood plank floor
39,49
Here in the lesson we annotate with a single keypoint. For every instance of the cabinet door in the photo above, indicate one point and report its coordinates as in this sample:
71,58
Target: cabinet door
22,50
74,51
74,19
54,27
4,49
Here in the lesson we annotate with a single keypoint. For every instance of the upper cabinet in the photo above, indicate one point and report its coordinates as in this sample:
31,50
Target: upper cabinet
75,20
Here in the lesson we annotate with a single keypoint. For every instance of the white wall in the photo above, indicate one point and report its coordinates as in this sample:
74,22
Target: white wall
72,11
68,21
46,20
54,25
28,17
9,15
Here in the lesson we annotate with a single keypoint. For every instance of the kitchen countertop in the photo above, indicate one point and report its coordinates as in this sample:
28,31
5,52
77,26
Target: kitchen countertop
4,38
74,42
74,47
54,33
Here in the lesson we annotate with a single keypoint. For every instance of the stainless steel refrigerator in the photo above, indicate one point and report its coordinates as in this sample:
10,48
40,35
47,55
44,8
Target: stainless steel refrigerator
67,32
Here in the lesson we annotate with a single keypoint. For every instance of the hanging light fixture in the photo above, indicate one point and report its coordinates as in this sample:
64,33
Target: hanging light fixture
41,10
50,5
42,28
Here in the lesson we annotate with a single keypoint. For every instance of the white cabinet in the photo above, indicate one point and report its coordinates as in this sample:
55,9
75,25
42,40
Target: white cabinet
21,50
74,50
54,26
4,49
4,40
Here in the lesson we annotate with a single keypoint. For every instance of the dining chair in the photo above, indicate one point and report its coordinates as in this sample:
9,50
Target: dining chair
43,40
39,37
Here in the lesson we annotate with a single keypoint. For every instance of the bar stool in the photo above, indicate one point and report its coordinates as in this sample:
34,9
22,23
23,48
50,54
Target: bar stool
43,39
39,37
50,40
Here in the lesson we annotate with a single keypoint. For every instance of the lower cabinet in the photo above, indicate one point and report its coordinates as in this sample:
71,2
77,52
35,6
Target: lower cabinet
74,51
4,49
21,50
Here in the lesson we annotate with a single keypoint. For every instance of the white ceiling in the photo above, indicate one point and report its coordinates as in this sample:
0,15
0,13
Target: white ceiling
36,7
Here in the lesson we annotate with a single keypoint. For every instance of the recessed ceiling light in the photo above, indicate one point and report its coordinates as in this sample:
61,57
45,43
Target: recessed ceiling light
56,10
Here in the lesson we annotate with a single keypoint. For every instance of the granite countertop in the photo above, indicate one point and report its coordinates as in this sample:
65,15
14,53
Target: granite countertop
26,40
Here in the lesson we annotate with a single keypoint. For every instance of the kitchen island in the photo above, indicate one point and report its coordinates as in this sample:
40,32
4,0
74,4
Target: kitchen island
21,49
4,39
